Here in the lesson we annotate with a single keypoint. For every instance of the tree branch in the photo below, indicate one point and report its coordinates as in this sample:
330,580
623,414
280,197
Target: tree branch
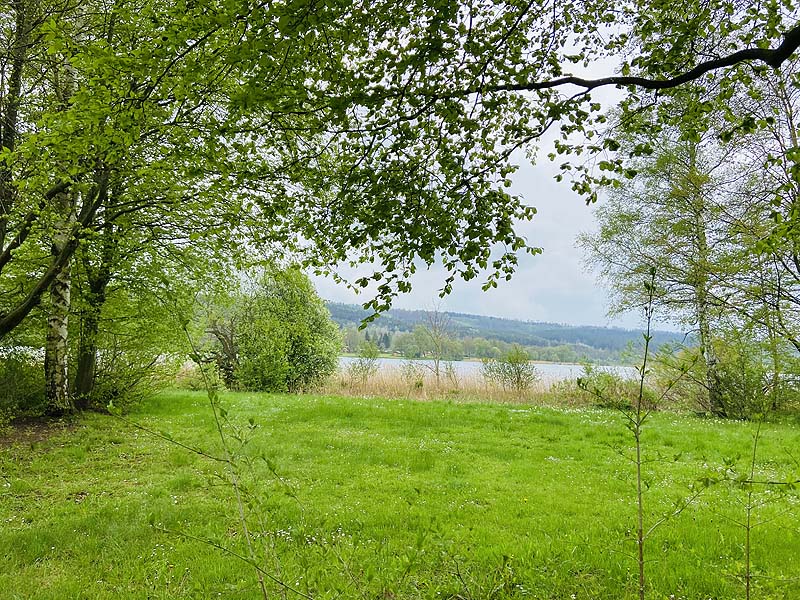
25,228
774,57
9,320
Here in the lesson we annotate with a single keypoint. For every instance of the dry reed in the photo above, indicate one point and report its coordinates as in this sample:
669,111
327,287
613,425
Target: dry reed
420,384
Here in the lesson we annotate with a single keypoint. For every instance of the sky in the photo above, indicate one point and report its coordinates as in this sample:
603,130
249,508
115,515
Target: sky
554,286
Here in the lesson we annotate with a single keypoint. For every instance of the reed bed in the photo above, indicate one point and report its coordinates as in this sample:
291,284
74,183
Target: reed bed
418,382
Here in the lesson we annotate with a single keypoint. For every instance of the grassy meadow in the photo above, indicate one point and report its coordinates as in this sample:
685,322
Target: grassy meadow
390,499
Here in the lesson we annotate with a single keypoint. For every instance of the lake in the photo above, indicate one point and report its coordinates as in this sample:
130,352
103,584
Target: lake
547,371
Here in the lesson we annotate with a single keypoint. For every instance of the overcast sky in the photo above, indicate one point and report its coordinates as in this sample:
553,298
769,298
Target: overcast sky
553,286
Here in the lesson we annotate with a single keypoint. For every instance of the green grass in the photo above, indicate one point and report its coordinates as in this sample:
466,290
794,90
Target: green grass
390,499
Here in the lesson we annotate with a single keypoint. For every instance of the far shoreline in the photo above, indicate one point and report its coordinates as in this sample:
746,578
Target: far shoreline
384,355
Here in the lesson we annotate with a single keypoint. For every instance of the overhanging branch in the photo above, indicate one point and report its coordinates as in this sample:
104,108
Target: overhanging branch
9,320
774,57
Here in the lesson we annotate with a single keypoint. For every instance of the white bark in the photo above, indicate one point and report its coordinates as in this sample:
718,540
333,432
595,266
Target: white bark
56,358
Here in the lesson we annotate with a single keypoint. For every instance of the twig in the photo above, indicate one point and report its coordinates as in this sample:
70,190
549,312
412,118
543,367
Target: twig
169,439
212,397
235,554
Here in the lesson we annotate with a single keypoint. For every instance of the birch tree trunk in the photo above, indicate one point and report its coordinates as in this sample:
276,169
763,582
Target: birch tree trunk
699,277
56,357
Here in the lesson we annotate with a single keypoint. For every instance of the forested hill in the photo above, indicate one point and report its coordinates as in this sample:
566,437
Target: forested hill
527,333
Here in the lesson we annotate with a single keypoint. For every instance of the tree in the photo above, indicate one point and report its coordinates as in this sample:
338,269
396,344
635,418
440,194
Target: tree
138,345
131,293
414,344
397,153
437,331
486,348
386,341
156,80
726,258
483,80
768,291
352,339
275,334
669,220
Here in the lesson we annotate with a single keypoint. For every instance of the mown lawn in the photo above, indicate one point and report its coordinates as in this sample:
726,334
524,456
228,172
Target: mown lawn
391,499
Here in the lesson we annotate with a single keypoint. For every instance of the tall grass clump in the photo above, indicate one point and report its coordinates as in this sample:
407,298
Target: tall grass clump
412,380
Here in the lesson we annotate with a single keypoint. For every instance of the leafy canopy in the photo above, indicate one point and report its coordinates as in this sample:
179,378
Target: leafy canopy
378,132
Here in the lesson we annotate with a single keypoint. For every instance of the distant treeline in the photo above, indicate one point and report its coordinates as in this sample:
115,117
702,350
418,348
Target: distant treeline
477,336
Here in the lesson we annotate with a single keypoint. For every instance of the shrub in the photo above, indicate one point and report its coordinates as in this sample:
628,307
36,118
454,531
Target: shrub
751,377
276,336
451,374
749,387
413,374
678,373
21,383
607,389
365,366
125,377
513,370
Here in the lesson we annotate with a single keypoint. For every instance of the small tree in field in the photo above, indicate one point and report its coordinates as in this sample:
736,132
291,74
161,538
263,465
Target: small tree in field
366,365
437,331
513,370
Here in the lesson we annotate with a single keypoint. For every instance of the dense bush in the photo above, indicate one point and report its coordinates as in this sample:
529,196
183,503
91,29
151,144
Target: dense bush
752,377
608,389
21,383
276,335
123,378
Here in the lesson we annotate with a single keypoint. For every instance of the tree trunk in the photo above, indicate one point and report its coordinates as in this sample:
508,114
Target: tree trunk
87,356
772,320
701,285
98,277
10,113
227,359
56,358
56,363
716,404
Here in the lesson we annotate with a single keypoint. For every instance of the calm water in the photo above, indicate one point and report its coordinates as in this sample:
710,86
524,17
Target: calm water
547,371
